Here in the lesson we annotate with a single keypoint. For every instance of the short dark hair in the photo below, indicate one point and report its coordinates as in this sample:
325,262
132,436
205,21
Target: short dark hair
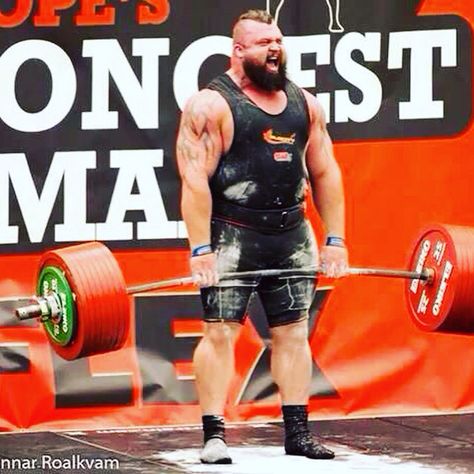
262,16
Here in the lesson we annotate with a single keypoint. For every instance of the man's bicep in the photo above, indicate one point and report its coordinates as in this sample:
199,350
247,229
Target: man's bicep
318,153
313,149
199,139
189,150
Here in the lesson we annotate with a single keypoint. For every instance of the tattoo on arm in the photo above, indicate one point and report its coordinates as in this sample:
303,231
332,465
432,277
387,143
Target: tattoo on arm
199,138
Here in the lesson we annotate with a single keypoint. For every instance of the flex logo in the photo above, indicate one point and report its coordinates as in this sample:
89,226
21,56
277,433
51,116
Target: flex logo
168,328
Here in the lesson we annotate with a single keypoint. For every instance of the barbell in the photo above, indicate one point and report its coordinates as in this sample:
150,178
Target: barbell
82,299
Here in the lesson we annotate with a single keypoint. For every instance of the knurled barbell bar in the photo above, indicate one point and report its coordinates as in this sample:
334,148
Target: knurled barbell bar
83,303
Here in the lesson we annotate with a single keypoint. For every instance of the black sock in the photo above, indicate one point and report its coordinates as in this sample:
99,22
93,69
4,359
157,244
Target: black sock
298,439
214,427
296,419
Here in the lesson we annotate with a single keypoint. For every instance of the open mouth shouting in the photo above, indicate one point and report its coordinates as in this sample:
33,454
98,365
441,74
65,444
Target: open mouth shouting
273,62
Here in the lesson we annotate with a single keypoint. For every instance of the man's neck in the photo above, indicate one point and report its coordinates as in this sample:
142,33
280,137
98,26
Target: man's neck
245,84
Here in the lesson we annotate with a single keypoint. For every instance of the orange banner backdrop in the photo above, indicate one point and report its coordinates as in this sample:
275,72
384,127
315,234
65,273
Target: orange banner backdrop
369,357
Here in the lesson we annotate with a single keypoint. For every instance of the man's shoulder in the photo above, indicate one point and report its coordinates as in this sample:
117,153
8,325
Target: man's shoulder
222,80
308,97
205,99
315,108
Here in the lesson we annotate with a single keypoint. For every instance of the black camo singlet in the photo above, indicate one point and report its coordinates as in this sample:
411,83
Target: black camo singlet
264,167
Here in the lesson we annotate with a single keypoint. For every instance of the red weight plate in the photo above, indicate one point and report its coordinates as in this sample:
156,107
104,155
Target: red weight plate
462,312
431,304
90,297
107,305
102,303
85,329
98,304
114,306
120,316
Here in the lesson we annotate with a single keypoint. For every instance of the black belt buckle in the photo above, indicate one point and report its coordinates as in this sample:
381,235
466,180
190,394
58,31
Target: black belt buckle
284,219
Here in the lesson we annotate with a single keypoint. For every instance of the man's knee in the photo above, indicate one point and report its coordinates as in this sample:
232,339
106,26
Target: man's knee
293,335
220,334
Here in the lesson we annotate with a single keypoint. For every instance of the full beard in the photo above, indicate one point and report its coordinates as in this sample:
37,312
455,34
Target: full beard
266,80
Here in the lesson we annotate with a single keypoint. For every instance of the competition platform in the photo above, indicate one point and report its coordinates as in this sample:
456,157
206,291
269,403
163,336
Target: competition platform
408,445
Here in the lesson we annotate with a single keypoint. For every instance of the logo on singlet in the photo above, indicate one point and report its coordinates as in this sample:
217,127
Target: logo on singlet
282,156
278,138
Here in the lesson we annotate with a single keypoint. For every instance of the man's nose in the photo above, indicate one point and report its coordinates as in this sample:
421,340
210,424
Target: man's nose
274,46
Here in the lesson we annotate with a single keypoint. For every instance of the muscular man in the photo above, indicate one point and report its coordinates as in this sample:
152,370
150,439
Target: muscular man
246,147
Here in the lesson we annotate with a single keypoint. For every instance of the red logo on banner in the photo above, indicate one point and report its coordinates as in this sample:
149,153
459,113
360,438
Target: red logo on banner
154,13
48,13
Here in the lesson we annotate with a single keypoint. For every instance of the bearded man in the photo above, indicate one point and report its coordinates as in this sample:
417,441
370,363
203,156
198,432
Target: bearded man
250,145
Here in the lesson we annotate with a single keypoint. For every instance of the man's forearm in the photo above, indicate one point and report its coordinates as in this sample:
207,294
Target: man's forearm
196,208
329,200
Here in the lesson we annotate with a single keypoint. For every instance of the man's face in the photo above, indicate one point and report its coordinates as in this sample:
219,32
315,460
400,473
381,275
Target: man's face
263,55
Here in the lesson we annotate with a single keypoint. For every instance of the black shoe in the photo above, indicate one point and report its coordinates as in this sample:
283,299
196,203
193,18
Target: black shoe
303,444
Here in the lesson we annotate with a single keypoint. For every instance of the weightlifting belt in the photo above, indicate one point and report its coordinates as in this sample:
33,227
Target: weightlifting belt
265,220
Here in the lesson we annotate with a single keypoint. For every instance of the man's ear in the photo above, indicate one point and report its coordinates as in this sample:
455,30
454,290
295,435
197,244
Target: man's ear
238,50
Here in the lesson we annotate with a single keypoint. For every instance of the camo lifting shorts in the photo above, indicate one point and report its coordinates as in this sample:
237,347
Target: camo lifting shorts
285,299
